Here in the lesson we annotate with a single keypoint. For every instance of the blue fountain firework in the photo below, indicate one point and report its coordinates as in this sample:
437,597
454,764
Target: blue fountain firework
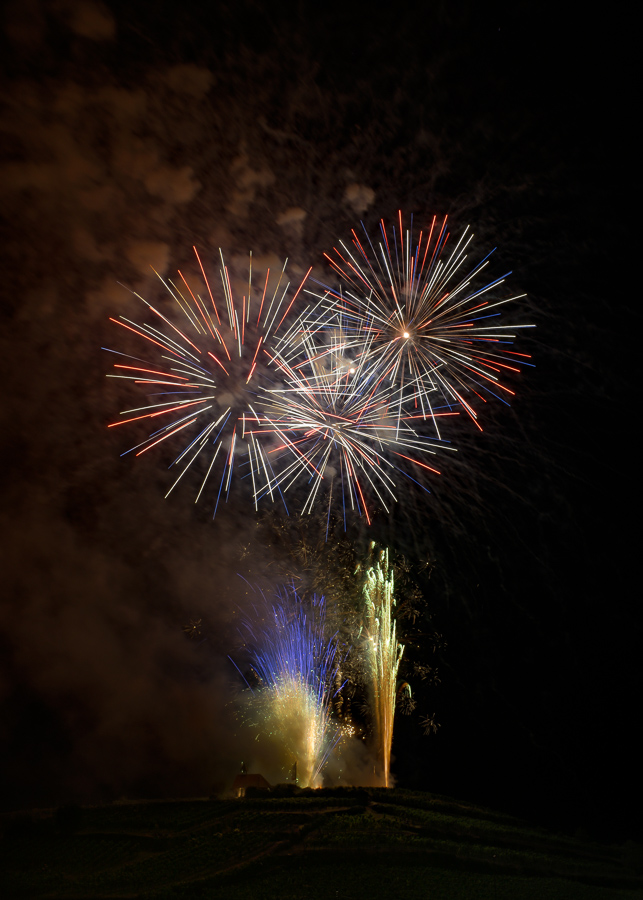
298,665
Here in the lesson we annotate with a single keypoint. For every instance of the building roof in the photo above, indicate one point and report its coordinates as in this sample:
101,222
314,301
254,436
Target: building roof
246,781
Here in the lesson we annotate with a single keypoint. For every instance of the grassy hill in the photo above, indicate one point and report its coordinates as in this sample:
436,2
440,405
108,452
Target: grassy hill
342,843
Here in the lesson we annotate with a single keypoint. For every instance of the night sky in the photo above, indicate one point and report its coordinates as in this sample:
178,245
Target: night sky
132,131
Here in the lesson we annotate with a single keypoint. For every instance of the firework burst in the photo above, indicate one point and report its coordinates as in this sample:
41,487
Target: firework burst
422,318
336,424
207,358
345,398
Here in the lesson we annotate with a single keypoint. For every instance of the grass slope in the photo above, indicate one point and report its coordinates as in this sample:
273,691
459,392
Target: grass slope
320,844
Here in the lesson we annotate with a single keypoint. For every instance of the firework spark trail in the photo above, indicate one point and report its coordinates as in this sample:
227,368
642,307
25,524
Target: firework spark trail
298,665
205,364
335,423
418,321
382,654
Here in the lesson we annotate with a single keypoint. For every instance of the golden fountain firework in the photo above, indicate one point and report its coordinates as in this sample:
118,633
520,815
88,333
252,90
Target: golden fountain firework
382,654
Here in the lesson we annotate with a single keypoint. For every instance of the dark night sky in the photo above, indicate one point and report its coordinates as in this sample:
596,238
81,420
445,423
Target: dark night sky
133,130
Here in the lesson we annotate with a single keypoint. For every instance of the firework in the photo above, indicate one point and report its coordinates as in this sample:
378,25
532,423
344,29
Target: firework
421,318
206,358
297,666
336,425
382,655
347,397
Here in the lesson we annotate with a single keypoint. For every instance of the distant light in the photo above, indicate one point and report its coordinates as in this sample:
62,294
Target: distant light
406,334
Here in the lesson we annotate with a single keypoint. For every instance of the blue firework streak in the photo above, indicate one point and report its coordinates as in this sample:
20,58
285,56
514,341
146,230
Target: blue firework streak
298,666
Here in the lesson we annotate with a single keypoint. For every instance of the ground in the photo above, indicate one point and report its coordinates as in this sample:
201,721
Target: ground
319,844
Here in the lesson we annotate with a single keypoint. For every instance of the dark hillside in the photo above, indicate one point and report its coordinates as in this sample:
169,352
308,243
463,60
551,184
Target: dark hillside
321,844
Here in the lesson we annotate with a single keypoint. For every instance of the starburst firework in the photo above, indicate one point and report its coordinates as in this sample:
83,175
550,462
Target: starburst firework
336,425
349,395
421,318
208,357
